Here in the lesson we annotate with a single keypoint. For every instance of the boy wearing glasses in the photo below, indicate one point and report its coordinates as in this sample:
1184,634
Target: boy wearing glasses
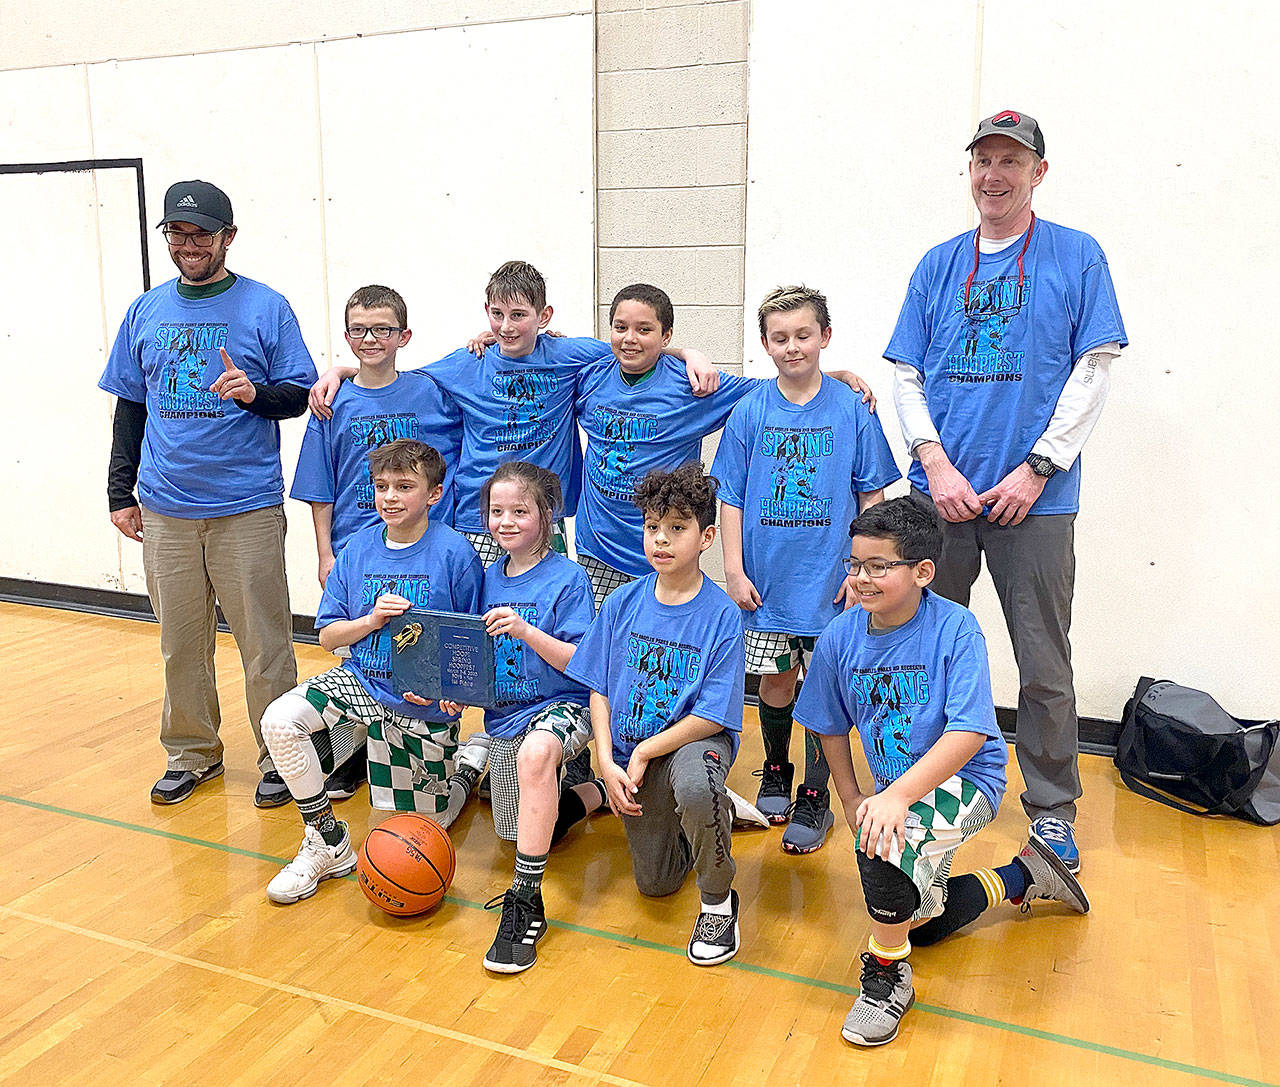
799,457
375,408
203,367
908,669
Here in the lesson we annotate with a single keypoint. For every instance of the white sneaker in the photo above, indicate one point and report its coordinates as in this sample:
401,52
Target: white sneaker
315,861
473,752
745,813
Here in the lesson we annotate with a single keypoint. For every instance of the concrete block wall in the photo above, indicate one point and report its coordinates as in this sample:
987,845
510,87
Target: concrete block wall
671,151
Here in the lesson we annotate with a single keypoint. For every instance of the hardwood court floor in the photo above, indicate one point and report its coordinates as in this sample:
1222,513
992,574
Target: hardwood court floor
138,947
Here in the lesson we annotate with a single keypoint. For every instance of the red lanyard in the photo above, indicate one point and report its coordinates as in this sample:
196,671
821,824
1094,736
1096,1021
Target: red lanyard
968,283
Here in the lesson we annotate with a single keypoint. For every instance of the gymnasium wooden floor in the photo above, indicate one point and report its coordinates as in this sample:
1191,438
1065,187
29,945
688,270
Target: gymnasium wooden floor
138,945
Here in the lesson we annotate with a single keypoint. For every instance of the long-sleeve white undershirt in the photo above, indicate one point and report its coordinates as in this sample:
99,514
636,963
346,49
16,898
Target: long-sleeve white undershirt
1079,405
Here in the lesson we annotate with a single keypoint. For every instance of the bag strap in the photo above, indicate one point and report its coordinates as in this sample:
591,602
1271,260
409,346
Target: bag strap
1143,789
1144,684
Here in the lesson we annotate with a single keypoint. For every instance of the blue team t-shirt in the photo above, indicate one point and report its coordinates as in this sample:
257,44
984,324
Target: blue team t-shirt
993,375
658,663
630,430
333,465
554,596
202,456
440,572
904,688
516,409
795,471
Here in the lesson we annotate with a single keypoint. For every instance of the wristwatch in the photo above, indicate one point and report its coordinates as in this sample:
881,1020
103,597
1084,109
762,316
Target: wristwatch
1042,466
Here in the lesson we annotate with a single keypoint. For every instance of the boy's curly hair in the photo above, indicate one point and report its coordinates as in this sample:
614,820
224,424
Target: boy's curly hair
687,490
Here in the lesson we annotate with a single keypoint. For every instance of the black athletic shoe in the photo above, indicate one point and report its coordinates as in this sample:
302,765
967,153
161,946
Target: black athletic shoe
522,924
811,821
177,785
272,792
774,798
715,936
345,781
577,771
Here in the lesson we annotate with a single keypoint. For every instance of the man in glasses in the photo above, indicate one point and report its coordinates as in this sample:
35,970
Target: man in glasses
1002,354
202,368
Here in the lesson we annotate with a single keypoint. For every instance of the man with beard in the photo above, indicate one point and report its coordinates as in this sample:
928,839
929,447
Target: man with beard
205,456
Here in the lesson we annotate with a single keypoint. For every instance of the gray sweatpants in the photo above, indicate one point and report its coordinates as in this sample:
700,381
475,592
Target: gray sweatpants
1033,568
687,821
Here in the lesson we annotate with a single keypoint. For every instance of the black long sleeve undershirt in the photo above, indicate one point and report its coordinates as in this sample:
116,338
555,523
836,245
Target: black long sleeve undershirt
283,401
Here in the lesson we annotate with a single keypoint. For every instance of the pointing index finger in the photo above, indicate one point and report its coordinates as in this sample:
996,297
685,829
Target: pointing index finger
226,359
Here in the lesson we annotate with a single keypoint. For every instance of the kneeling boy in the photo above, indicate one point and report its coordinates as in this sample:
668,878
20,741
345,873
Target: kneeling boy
404,561
664,661
909,670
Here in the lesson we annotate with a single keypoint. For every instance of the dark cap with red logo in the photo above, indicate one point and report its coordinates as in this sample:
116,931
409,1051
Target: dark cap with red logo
199,203
1015,125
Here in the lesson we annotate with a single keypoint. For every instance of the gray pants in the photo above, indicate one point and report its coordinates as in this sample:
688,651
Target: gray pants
1033,568
687,821
239,559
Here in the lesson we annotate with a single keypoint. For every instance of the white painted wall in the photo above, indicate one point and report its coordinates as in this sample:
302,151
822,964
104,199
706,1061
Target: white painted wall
1162,143
421,159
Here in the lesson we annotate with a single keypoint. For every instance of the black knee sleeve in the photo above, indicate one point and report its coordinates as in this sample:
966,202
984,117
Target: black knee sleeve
890,895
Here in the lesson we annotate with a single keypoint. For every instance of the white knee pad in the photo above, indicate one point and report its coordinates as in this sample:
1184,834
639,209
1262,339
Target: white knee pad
287,725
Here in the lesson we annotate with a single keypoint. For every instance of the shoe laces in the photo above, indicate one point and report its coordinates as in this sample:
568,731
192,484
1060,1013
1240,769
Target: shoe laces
808,807
315,852
878,979
514,921
1053,830
773,780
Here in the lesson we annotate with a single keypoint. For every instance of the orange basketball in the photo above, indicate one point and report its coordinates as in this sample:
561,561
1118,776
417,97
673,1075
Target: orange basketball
406,864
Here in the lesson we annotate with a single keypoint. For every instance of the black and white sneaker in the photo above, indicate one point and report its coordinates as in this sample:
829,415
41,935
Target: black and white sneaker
345,781
522,924
715,936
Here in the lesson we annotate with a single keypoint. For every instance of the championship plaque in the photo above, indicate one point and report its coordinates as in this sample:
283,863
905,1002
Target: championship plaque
442,655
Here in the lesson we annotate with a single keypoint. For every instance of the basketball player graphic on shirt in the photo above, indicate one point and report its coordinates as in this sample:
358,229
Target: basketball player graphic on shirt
891,724
992,305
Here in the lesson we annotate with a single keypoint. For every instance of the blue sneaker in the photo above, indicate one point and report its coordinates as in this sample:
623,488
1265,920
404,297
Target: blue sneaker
1058,836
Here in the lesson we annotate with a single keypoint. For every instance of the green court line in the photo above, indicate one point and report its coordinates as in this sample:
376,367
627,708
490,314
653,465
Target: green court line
733,964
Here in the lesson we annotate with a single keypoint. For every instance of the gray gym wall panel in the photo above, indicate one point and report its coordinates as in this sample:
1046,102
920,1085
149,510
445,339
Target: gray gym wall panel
1162,145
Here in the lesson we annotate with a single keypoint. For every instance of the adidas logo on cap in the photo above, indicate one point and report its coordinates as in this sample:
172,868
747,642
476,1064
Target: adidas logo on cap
188,201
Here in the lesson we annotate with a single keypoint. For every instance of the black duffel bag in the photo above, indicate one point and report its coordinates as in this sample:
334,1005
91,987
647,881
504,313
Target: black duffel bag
1178,746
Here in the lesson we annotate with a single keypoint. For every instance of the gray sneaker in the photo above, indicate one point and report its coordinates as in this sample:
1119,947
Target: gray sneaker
1050,878
811,821
886,995
774,798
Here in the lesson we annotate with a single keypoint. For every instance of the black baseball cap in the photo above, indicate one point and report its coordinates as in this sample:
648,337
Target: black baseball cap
1017,126
198,203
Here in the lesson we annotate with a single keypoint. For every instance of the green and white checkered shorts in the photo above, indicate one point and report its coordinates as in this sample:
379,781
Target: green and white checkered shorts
406,756
937,825
568,722
489,551
771,654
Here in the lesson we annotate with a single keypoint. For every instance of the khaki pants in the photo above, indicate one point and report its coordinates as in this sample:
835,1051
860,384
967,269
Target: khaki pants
238,559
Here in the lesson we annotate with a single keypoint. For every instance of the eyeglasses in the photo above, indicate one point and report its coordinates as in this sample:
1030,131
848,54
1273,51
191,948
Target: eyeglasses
201,239
874,567
380,332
